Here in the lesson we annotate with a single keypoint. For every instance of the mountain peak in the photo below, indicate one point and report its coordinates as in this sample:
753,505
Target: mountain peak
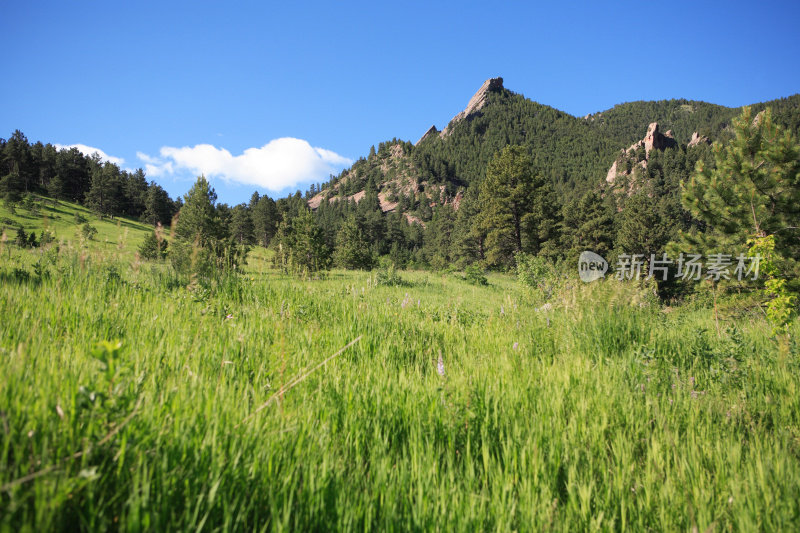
431,131
475,104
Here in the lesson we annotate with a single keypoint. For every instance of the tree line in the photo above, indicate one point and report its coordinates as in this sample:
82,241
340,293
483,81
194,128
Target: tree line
67,174
682,195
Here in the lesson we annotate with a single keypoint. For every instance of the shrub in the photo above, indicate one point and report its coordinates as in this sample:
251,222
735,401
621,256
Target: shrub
474,274
153,247
88,231
537,272
22,238
388,275
46,237
190,259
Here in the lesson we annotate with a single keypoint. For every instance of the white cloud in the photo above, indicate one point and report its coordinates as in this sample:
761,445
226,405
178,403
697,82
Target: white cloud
279,164
89,150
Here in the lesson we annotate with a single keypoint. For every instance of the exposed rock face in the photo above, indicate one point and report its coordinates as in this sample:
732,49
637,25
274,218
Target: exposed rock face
610,177
654,139
430,133
475,104
698,139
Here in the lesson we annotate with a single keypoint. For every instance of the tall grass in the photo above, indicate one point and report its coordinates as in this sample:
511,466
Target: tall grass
598,414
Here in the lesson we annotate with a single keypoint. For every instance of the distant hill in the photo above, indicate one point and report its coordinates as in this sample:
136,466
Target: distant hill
63,221
575,153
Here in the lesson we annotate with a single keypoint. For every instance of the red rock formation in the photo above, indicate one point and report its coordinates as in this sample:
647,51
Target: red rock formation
475,104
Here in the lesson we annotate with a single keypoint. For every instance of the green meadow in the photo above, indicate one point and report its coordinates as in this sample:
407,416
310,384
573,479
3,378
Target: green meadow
132,399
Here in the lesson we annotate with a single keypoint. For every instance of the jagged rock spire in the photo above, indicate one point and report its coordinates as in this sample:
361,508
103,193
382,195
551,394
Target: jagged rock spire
476,103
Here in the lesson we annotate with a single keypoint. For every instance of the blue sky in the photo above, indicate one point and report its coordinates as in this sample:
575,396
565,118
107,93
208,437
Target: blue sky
272,97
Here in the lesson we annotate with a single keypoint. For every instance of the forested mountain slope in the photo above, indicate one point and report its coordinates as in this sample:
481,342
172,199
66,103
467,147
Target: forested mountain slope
575,153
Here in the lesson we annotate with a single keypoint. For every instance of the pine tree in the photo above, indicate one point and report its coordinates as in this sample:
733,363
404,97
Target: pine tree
158,205
241,225
104,194
153,247
518,208
438,237
22,238
197,217
352,247
588,224
644,226
135,190
56,187
265,217
752,192
369,209
11,186
300,245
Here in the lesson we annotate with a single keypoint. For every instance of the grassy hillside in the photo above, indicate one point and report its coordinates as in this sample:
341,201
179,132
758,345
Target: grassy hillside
605,412
116,236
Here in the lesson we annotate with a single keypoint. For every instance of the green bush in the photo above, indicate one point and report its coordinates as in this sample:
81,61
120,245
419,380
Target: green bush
88,231
22,238
474,274
191,259
538,273
387,275
153,247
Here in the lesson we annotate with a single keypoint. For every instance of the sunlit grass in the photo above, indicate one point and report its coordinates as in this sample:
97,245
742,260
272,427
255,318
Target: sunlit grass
602,413
119,237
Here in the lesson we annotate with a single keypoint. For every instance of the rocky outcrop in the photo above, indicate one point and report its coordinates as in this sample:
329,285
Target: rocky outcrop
654,139
430,133
698,139
475,104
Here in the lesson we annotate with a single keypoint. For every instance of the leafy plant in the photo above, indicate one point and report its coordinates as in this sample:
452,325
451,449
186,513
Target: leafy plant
154,247
474,274
781,303
88,231
388,275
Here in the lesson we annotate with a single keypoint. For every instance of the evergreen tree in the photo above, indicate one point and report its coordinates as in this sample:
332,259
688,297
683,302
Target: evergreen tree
644,225
265,217
468,238
588,224
74,169
300,245
56,187
153,247
223,217
753,191
242,225
11,186
16,158
197,218
352,247
104,194
22,238
438,236
369,209
518,211
135,189
158,207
